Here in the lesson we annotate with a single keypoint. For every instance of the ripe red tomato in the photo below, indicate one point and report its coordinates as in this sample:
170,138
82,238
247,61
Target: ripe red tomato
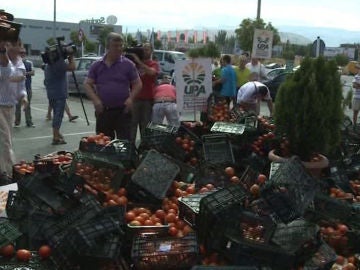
170,217
44,251
230,171
173,231
160,214
261,178
130,216
7,251
23,255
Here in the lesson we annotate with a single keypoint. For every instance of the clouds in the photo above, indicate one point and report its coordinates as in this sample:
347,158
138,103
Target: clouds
188,14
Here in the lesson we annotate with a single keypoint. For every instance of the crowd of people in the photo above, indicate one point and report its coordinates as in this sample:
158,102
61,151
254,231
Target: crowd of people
241,85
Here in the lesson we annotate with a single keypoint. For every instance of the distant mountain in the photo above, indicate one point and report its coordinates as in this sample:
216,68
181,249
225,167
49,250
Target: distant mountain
333,37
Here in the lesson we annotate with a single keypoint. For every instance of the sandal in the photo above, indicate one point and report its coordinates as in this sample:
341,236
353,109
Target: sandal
58,141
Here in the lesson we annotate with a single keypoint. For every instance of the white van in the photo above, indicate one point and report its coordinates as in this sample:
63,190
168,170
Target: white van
167,60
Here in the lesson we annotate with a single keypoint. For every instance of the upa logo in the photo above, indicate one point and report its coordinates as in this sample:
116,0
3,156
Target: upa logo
263,43
194,76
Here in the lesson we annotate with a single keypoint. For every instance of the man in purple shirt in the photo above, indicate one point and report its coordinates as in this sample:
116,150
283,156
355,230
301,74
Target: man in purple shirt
112,84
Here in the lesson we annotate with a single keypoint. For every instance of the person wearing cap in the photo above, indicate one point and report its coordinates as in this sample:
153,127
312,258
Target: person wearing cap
165,103
356,96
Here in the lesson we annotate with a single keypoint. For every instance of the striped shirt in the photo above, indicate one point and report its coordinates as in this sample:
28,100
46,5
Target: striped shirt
11,92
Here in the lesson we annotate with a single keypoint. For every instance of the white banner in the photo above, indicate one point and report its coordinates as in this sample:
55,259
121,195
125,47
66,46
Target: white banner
262,44
193,84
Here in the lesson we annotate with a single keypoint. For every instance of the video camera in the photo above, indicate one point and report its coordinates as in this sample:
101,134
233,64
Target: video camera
55,52
9,30
137,50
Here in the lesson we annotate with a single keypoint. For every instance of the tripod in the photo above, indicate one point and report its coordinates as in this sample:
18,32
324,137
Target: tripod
81,99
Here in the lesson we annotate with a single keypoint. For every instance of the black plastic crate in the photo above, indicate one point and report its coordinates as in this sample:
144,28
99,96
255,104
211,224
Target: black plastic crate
35,263
84,164
118,150
204,267
196,127
299,237
160,252
189,207
8,232
327,208
218,206
152,178
323,258
249,178
248,226
263,255
290,190
217,149
16,206
154,128
209,173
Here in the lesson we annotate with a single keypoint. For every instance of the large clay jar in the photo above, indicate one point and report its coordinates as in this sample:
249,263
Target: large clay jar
313,167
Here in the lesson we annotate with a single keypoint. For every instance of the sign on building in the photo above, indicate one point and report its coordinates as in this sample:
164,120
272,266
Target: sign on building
193,84
262,43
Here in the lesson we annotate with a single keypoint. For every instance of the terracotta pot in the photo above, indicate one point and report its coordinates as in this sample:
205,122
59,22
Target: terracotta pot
313,167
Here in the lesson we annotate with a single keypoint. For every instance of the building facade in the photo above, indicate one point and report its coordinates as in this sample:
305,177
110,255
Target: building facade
35,33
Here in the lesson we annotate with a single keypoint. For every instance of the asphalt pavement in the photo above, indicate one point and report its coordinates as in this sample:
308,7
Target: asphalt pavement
30,141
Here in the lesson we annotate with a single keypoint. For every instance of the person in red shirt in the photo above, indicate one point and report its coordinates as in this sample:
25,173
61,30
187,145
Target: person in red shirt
142,106
165,103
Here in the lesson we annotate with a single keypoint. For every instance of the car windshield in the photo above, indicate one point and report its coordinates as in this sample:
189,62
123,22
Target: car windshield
179,56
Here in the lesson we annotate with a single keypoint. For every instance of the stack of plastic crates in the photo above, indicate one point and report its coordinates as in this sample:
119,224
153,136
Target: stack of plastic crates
217,206
217,149
119,150
299,237
164,252
290,190
152,178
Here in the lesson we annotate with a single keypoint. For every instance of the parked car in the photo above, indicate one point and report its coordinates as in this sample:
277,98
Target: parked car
274,83
167,60
82,67
274,72
272,66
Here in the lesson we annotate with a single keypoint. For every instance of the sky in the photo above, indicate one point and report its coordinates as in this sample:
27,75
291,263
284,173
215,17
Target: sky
166,15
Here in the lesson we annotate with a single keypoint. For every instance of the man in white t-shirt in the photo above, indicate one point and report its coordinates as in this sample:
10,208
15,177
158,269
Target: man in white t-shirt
256,67
251,94
356,96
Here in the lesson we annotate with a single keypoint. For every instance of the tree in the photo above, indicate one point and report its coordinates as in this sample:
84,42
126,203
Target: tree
220,38
103,35
245,33
341,59
209,50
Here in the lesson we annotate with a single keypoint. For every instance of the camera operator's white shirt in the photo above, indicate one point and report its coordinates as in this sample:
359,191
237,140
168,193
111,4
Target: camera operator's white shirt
248,92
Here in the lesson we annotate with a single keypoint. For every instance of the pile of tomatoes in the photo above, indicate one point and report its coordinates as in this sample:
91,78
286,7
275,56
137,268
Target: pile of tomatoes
99,139
24,255
219,111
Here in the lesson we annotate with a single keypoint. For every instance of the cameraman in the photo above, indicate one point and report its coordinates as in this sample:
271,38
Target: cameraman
11,92
56,89
142,107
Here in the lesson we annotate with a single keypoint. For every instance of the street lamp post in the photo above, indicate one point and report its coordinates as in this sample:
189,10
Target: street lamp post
54,25
258,10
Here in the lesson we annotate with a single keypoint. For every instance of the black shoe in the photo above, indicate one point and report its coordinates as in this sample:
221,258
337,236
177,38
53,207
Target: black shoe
58,141
30,125
72,118
17,125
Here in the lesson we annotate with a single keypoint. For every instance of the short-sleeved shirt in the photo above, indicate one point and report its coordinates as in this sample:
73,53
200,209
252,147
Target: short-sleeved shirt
165,90
10,92
148,81
242,76
113,83
228,88
249,91
55,80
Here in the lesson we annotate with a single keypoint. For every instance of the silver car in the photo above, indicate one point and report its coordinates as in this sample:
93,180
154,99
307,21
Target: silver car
82,67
